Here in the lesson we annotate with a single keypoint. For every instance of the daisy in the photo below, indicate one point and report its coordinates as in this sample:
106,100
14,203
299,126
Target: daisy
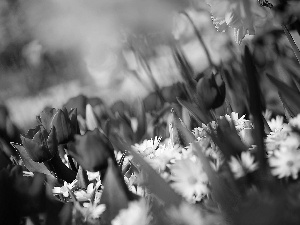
85,195
64,190
295,122
191,215
137,213
163,155
189,179
240,167
90,211
285,162
148,147
276,124
185,214
93,176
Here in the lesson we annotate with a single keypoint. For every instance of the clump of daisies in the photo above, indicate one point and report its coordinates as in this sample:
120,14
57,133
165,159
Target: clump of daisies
283,146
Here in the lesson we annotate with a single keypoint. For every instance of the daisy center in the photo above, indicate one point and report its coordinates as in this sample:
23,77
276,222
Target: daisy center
192,180
289,163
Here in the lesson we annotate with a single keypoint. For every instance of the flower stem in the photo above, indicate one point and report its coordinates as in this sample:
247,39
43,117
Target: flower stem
199,38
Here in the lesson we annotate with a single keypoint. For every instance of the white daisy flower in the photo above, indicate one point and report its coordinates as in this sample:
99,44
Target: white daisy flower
276,124
191,215
189,179
163,155
85,195
240,167
148,147
64,190
90,211
93,176
285,162
137,213
295,122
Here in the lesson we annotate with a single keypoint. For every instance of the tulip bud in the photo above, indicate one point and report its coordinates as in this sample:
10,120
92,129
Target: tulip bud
211,91
91,150
40,145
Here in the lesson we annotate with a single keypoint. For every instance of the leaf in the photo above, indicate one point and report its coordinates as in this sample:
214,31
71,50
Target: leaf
185,68
82,178
180,132
32,166
227,196
228,139
155,183
116,195
141,119
255,106
199,116
60,169
289,96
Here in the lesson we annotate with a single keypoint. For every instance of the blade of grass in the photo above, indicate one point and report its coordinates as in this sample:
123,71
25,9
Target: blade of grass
289,96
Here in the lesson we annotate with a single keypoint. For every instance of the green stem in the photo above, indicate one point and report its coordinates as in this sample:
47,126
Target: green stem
200,39
61,170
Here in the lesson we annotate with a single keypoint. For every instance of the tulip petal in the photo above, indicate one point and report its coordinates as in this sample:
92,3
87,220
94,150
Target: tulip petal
63,127
92,150
46,116
32,166
91,120
36,151
52,142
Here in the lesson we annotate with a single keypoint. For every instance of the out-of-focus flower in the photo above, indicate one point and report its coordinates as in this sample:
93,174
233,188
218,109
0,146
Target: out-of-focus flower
285,162
92,150
240,123
64,190
27,174
276,124
93,176
240,167
190,215
85,195
243,16
189,179
90,211
137,213
295,122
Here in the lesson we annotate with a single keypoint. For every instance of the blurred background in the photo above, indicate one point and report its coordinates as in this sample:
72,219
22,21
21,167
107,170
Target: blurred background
52,50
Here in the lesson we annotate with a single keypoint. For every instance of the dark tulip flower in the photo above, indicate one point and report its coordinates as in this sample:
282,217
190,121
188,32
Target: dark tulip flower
40,145
92,150
211,91
64,122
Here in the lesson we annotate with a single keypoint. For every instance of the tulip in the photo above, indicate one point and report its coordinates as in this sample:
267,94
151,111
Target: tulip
64,122
40,145
210,91
91,150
